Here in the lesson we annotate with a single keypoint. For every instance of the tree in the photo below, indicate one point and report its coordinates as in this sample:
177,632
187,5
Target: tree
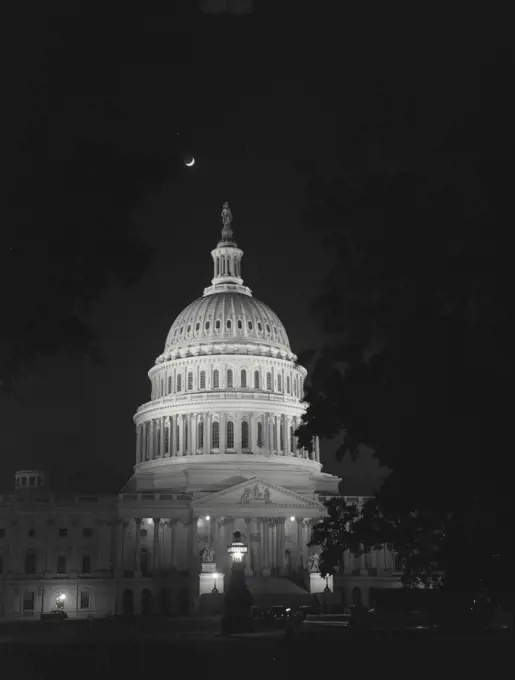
417,312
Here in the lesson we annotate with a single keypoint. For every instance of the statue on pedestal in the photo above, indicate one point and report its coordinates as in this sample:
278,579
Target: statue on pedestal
208,555
314,563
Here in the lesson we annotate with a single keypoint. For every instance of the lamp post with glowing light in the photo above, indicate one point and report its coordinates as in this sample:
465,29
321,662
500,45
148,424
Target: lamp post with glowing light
238,600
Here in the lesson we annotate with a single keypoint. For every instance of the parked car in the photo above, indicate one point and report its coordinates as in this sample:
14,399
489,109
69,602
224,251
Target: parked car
279,612
54,615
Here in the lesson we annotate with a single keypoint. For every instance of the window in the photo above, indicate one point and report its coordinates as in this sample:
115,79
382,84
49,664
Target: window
169,384
256,380
281,437
244,435
190,381
84,599
179,383
30,562
268,381
260,435
216,379
260,326
197,326
63,532
24,481
61,564
167,440
31,533
200,442
288,387
250,325
188,329
218,324
243,377
28,600
229,378
202,380
230,435
240,325
86,564
87,532
229,324
32,481
207,325
216,435
279,383
268,328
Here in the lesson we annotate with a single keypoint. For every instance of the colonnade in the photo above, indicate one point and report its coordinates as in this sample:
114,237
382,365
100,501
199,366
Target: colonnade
198,433
177,543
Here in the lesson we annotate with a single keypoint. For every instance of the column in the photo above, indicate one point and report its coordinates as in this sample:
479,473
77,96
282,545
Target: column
194,433
155,550
144,442
237,432
120,543
280,545
138,444
249,566
317,449
252,443
300,552
162,440
168,451
265,564
180,448
137,564
192,544
207,433
223,432
171,436
152,440
363,571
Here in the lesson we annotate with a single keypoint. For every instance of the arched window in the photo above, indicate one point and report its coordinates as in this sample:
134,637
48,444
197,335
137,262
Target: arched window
229,378
279,383
216,379
244,435
202,380
256,380
228,323
230,435
200,443
260,435
240,325
288,387
215,435
179,383
190,381
243,377
169,384
269,381
30,562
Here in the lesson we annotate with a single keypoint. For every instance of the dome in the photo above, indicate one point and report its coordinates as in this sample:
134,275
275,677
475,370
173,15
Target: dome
227,317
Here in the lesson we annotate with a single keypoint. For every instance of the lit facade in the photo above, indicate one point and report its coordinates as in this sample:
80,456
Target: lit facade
216,453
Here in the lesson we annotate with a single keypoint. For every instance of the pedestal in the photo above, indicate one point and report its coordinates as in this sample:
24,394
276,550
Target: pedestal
318,584
210,578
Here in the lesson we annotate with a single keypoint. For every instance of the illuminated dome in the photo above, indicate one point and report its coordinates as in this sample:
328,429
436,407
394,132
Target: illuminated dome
227,317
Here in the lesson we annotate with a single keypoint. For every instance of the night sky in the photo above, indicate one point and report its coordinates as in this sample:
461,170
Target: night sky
254,115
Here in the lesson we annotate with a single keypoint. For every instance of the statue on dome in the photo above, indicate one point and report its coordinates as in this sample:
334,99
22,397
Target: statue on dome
226,216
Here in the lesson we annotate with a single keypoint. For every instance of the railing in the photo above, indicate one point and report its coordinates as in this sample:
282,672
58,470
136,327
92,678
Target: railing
222,395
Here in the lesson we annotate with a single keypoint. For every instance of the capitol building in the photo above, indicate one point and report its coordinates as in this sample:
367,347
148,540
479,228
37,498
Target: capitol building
215,453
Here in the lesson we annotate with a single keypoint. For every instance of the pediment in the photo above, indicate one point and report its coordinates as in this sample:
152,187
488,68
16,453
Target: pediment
255,494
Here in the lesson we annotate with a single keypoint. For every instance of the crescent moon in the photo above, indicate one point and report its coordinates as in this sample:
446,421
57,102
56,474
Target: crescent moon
191,163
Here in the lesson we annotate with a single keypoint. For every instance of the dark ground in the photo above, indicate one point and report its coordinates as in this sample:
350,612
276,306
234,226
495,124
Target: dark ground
195,649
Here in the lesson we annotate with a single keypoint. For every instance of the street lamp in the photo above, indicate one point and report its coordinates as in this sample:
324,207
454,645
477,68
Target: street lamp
215,589
327,589
59,600
237,548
